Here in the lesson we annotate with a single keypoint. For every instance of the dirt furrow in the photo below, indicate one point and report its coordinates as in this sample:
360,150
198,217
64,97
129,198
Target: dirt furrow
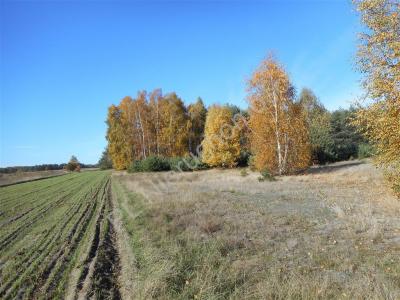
11,197
59,263
7,240
52,252
41,250
105,283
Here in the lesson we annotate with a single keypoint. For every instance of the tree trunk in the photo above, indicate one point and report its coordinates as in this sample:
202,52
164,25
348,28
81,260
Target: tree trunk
277,133
142,130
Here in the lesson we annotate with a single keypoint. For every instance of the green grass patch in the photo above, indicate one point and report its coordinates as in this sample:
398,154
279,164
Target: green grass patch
170,263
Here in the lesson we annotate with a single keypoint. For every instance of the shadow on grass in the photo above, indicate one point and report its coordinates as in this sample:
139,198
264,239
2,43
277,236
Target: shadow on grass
332,167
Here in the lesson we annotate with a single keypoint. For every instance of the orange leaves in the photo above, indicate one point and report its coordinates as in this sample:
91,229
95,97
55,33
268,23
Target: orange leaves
118,147
279,136
221,144
173,126
379,55
148,125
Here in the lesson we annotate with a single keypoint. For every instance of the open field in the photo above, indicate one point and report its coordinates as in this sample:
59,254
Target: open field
20,177
7,179
55,238
334,233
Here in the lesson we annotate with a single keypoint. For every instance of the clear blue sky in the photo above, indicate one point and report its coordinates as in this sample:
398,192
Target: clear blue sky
63,63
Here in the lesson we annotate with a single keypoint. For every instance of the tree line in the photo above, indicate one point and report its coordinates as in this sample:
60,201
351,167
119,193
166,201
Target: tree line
43,167
153,124
71,165
279,132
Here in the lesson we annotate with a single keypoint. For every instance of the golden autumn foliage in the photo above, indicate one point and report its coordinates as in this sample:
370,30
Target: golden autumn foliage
148,125
119,148
379,60
221,144
173,126
278,131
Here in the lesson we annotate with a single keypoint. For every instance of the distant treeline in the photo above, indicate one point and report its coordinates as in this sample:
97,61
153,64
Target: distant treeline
44,167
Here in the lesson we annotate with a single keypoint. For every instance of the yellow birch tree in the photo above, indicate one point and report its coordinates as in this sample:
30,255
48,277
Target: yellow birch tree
221,144
119,148
379,61
278,131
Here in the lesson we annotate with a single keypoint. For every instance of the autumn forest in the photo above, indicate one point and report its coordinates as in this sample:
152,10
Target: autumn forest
280,132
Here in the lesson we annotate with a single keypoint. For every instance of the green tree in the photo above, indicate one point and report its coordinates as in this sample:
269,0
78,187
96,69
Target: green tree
73,164
319,125
241,119
345,136
105,161
197,118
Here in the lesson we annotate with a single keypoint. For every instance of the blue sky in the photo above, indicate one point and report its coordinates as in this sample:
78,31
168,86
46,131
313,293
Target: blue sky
64,62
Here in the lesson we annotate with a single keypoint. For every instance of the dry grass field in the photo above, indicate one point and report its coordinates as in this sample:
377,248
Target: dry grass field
332,233
7,179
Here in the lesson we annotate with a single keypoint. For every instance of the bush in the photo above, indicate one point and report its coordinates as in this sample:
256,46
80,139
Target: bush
243,173
251,163
396,188
266,176
183,164
73,164
150,164
135,166
157,164
365,151
322,156
244,159
180,164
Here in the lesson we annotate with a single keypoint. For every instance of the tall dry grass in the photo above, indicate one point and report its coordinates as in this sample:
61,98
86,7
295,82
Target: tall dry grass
333,233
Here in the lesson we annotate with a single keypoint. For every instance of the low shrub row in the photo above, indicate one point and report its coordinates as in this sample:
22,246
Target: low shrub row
158,164
150,164
365,150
